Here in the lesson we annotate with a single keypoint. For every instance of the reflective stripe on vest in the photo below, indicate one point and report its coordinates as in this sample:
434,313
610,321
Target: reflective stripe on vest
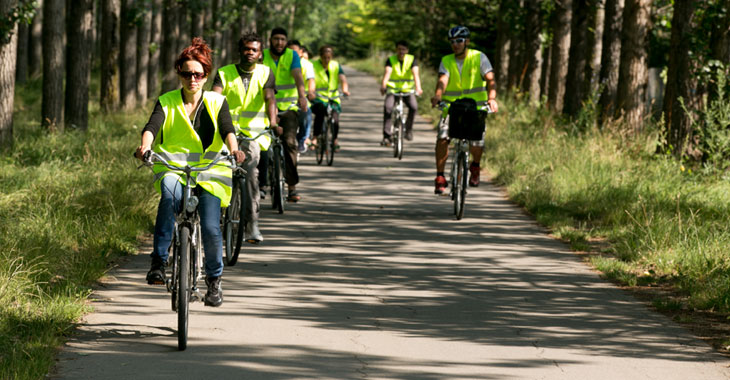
286,88
326,87
468,84
401,78
183,146
248,108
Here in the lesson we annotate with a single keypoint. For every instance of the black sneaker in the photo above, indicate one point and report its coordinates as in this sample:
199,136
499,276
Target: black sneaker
214,295
409,135
156,275
386,141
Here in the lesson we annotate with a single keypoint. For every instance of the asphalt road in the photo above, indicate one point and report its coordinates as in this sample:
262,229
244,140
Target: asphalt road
370,277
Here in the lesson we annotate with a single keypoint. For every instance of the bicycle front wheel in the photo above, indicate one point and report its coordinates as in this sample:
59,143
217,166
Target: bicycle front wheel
277,186
330,149
398,137
233,223
460,183
183,291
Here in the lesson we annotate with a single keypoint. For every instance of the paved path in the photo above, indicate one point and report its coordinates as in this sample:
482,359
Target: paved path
370,277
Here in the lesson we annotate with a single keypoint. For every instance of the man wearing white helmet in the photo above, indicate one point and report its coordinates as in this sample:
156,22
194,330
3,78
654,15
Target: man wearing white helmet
463,74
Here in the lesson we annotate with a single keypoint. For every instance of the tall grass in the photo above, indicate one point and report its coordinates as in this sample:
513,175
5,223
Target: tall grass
69,204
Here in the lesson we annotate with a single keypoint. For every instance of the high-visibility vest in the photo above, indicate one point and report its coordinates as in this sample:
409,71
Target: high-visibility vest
324,86
468,84
286,88
248,108
401,78
180,145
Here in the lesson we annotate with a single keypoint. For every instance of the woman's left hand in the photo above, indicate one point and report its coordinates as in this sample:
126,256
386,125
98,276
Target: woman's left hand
240,157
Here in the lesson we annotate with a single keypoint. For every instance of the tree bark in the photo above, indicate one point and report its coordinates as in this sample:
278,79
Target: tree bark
517,49
153,76
560,47
8,52
533,55
183,38
35,43
128,56
720,49
79,57
633,70
109,97
53,65
545,72
197,20
503,47
143,54
169,52
677,121
21,55
610,58
594,41
577,57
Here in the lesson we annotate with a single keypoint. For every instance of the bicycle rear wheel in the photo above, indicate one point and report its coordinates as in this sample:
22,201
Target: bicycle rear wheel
183,293
233,222
277,187
398,137
330,150
460,189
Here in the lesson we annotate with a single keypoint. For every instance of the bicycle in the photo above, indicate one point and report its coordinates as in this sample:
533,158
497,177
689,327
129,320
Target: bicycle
325,144
399,121
232,226
276,174
459,172
186,258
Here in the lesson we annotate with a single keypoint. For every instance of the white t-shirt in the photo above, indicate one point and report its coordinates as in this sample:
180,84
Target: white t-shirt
309,68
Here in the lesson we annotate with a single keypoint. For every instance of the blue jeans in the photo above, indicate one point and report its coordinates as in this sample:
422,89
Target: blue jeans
305,129
209,209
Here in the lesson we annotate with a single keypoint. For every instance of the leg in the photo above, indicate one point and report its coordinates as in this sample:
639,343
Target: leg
253,154
387,119
210,214
263,169
442,154
412,110
170,203
336,124
320,111
290,122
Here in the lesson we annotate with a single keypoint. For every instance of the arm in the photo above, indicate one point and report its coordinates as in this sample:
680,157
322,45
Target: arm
271,110
492,94
440,87
232,144
147,139
217,89
417,80
386,78
311,89
297,74
345,87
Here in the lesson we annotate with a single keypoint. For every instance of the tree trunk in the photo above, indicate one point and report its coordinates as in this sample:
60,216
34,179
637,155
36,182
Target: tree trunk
678,77
153,76
594,42
215,36
79,67
503,40
560,47
516,49
533,55
109,97
545,72
169,52
143,55
720,49
633,71
7,80
128,56
21,55
197,20
183,38
53,65
577,57
35,43
610,58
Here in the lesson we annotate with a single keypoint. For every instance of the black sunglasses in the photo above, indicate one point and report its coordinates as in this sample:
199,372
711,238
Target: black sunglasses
190,74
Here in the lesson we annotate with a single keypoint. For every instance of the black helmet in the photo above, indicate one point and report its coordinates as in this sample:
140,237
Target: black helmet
459,31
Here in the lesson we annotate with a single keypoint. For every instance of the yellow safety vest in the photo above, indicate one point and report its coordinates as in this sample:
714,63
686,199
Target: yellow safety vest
286,88
468,84
401,78
179,144
248,108
326,87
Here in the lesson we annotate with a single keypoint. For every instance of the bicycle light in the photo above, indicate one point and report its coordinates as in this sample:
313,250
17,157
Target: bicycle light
192,204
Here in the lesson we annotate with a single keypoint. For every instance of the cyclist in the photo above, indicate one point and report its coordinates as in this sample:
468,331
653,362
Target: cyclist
190,127
328,75
249,90
401,76
305,123
463,74
290,99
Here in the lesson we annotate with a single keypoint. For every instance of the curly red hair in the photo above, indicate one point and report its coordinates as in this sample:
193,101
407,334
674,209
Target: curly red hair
197,51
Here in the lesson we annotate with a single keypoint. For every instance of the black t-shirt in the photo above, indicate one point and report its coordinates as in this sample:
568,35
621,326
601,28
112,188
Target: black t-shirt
202,124
246,78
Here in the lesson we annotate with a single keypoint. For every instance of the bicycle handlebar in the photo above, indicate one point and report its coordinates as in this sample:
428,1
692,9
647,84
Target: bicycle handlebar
442,104
150,157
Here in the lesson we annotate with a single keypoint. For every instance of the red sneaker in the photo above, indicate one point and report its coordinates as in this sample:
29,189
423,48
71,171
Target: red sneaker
441,184
474,177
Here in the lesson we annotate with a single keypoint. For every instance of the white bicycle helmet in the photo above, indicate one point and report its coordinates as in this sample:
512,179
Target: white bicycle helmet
459,32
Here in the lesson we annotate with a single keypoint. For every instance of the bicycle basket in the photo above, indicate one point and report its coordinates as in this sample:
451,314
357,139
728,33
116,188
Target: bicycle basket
465,120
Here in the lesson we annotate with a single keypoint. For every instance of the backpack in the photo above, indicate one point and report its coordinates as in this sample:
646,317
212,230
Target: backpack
465,120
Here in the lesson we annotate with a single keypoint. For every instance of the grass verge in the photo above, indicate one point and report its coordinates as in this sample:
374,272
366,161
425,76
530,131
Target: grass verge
69,204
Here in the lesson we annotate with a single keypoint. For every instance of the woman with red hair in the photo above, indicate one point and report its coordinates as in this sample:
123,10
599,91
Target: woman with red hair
190,126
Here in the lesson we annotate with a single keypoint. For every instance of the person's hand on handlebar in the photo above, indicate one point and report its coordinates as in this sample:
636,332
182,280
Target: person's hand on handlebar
435,100
240,156
492,104
139,153
346,92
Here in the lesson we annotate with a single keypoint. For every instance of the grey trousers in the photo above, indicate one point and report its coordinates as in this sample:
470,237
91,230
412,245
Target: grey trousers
412,105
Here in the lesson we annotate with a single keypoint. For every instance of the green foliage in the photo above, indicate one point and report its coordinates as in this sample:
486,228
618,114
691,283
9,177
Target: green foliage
23,12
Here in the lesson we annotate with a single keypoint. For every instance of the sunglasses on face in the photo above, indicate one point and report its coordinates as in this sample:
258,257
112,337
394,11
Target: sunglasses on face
190,74
457,40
